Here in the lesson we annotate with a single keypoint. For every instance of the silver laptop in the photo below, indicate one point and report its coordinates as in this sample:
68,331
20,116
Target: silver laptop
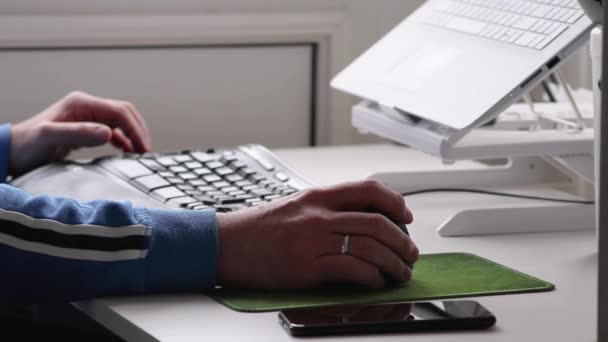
460,63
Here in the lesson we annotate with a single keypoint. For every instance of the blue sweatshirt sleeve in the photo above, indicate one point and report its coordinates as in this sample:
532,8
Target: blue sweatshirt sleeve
56,249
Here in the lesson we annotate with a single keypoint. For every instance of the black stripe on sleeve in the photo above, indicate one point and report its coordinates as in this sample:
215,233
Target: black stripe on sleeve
84,242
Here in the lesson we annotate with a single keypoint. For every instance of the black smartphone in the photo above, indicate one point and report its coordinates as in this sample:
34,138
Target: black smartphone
387,318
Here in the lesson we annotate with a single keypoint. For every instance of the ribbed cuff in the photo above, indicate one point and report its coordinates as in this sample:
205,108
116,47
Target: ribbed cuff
183,253
5,150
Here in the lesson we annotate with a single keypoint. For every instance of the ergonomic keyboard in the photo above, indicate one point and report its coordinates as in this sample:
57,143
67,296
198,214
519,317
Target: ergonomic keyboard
225,180
527,23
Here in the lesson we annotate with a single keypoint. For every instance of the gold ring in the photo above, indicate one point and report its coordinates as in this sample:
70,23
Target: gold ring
344,248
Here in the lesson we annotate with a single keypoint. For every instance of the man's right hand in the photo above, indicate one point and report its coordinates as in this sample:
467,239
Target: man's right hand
295,242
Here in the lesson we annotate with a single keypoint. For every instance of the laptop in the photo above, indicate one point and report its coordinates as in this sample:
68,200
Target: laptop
460,63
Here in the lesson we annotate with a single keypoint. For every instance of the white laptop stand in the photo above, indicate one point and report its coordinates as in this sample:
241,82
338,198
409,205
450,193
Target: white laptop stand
561,158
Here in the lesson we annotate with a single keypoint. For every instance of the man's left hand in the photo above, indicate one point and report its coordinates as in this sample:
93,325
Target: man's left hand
77,120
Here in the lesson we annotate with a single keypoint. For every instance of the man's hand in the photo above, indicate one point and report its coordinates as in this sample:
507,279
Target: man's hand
77,120
295,242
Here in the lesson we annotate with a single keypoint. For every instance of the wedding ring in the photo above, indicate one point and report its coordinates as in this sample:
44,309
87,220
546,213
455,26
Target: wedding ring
344,248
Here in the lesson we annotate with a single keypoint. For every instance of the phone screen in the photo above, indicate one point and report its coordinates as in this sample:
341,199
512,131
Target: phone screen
377,318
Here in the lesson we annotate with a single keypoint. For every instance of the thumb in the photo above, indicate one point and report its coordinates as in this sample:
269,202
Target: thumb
77,134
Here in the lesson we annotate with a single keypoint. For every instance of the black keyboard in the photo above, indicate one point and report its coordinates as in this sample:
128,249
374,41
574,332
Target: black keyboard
226,180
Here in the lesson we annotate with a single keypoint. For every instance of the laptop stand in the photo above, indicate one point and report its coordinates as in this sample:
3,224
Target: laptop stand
557,162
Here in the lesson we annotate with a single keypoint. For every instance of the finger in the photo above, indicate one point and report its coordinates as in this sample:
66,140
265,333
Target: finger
377,254
378,227
115,115
76,134
120,140
365,196
345,268
140,120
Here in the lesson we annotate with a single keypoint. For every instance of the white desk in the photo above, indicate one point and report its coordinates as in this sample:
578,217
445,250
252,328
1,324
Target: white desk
568,260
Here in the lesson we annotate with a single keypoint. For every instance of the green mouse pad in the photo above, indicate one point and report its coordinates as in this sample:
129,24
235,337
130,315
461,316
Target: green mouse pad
436,276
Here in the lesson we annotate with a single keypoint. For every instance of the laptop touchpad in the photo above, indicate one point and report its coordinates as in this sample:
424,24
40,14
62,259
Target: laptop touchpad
421,65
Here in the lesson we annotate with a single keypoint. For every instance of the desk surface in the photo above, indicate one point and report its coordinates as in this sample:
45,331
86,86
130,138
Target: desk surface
568,260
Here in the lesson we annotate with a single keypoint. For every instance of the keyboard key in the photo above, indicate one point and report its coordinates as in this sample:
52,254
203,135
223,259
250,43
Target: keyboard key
185,187
575,17
188,176
288,191
178,169
197,182
181,201
203,171
219,185
525,23
246,172
130,168
229,208
205,199
152,165
250,187
193,165
206,188
174,180
224,171
201,207
237,193
149,183
202,157
261,192
183,158
220,198
243,183
281,176
526,39
194,205
194,193
272,197
166,161
212,178
273,186
230,157
257,178
265,164
167,193
232,201
237,165
234,178
548,39
215,165
265,183
230,189
166,174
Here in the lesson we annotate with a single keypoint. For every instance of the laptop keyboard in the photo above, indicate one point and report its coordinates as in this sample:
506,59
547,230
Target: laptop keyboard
530,24
225,180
